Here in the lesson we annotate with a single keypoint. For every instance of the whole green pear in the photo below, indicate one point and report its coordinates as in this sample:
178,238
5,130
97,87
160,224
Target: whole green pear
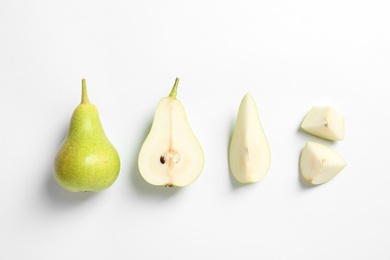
86,160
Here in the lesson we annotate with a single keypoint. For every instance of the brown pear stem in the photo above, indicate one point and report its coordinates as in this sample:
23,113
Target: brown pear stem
174,89
84,93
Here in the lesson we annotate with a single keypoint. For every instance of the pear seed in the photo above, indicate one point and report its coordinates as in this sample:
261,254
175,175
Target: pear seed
162,159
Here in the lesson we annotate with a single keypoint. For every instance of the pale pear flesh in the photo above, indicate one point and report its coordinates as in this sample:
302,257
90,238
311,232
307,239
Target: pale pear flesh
324,122
249,151
319,163
171,155
86,160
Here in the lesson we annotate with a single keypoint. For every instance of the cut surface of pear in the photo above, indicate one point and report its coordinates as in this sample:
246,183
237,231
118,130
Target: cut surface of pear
86,160
249,151
171,154
320,163
324,122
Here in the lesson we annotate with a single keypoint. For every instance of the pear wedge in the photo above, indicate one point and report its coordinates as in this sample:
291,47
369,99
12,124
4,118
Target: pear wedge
249,151
324,122
319,163
171,154
86,160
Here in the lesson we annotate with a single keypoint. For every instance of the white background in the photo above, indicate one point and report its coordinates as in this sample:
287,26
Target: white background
290,55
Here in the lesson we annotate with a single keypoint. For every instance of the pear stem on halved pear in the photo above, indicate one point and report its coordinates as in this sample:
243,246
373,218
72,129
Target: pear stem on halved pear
174,89
84,93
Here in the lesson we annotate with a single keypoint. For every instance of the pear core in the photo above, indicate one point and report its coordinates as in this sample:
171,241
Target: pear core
170,158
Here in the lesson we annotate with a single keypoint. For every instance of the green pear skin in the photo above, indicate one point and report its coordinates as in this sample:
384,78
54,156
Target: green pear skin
86,160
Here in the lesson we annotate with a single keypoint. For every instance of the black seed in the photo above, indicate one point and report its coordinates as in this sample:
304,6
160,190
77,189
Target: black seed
162,159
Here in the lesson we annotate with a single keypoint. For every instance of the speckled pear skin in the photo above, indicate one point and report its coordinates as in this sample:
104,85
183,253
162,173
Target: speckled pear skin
86,160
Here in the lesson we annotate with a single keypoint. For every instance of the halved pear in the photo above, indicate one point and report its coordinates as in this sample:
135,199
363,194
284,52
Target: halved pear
324,122
249,152
319,163
171,154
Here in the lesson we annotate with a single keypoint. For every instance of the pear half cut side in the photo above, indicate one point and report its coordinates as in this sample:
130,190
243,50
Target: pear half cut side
320,163
171,155
249,151
86,160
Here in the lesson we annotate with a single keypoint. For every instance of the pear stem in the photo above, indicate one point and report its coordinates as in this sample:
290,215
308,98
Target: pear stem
174,89
84,93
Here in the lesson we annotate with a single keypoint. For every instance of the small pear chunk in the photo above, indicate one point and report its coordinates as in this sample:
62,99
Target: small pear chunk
86,160
249,151
319,163
171,154
324,122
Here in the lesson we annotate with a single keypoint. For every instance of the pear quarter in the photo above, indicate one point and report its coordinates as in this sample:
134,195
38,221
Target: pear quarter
319,163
